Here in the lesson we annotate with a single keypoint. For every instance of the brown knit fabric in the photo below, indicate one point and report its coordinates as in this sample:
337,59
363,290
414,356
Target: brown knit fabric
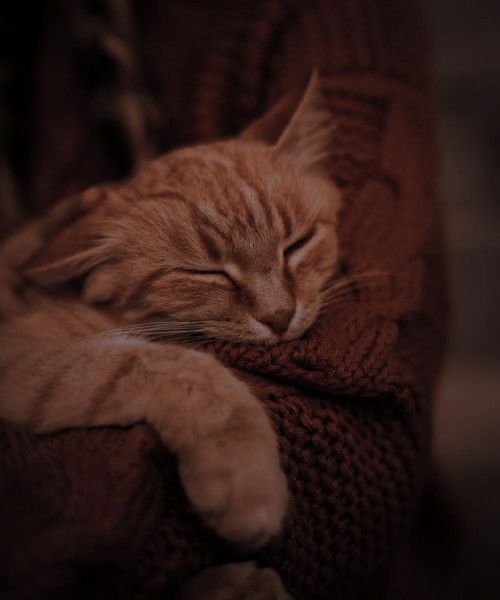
103,510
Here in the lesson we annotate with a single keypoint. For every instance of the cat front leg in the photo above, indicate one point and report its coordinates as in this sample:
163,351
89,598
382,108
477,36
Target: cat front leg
227,450
228,454
231,471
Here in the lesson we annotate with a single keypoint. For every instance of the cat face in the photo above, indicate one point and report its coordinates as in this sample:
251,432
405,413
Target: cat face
233,240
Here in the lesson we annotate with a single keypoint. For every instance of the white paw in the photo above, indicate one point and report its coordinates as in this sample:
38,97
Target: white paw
242,581
234,477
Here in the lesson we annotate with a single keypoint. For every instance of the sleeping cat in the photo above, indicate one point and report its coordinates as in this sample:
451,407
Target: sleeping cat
233,240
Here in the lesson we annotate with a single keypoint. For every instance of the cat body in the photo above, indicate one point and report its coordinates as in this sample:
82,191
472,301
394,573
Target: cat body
234,240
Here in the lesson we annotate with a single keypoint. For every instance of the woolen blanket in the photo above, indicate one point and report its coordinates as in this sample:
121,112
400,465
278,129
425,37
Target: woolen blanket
100,512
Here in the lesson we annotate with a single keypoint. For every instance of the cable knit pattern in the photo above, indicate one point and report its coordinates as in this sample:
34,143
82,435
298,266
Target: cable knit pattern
351,401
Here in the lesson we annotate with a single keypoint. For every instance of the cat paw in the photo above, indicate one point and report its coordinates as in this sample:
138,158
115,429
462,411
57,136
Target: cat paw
241,581
233,477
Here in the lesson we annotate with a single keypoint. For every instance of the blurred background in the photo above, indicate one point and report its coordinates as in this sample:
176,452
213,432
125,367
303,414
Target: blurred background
466,40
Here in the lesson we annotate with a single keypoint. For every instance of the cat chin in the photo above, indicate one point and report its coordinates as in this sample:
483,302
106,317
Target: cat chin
250,336
270,339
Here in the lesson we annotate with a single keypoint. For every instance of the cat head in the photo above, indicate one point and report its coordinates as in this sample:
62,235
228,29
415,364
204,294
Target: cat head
233,240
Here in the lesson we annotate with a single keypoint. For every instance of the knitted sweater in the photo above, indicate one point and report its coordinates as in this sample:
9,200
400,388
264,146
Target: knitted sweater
102,511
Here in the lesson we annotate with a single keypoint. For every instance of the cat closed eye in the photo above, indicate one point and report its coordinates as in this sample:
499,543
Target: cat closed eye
209,272
293,247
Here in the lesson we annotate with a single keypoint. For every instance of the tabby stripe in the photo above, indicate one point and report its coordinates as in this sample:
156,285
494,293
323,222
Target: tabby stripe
65,320
249,217
201,219
268,213
103,393
87,322
210,245
285,219
166,194
260,196
261,199
147,281
75,317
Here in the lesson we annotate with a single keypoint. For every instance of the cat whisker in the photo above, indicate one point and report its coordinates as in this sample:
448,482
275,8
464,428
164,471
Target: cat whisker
159,329
343,290
365,279
324,309
356,278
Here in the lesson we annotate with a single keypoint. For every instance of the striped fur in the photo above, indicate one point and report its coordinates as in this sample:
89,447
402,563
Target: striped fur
233,240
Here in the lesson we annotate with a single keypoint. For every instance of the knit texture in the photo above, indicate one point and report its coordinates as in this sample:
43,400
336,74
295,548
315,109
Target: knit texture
103,510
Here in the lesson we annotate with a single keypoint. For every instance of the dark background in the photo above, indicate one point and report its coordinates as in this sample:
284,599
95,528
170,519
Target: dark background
466,41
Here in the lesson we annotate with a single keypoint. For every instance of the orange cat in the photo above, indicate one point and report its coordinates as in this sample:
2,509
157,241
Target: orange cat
234,240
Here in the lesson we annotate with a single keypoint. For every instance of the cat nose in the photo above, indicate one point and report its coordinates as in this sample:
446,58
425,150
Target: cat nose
279,320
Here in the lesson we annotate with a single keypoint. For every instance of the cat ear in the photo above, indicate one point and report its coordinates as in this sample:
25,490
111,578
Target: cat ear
307,138
298,129
70,247
271,125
